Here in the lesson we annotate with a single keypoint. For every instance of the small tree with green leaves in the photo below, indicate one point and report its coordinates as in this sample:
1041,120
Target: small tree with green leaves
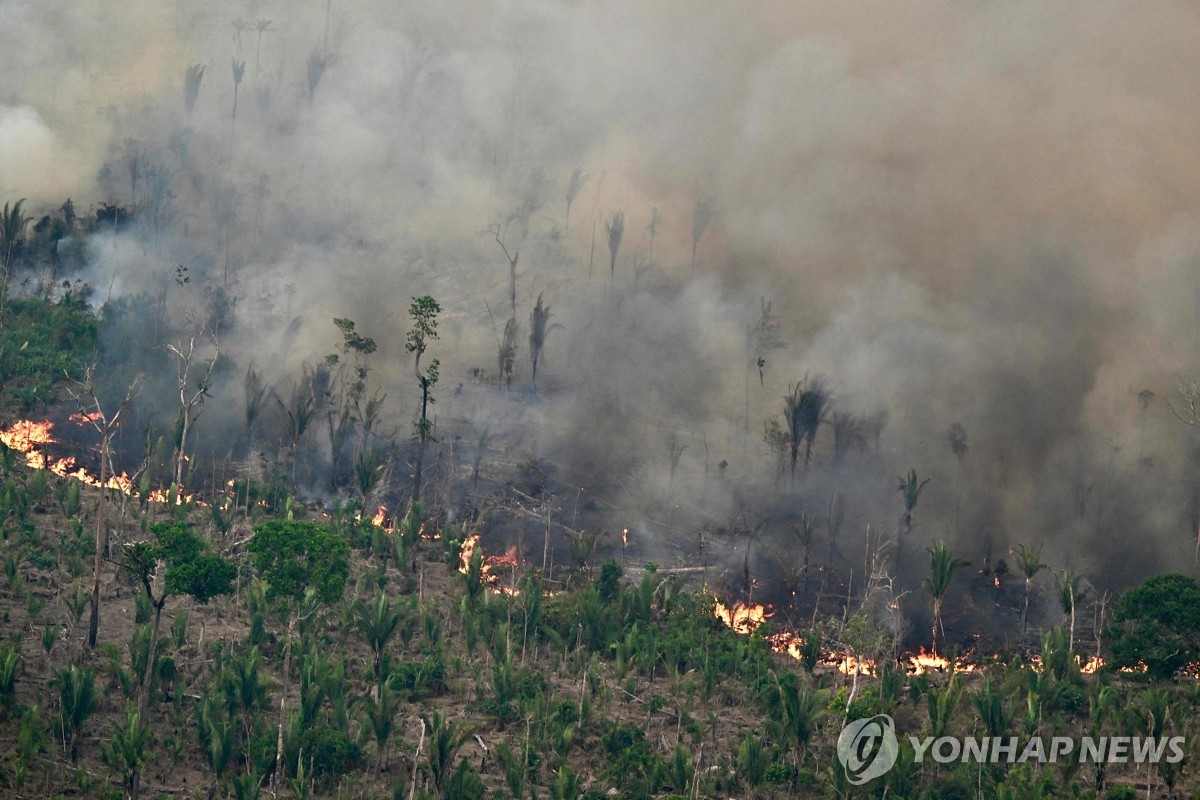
423,311
942,566
191,569
1156,624
298,560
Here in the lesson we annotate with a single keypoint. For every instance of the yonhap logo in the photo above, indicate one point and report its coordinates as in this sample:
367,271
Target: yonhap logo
867,748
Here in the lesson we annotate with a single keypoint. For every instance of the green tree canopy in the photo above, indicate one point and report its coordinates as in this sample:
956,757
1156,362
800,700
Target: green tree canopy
192,568
1156,624
294,557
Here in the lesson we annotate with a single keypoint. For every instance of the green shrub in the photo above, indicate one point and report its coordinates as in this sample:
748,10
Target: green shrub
332,752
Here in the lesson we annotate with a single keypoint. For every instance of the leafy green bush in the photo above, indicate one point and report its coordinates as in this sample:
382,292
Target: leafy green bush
1156,624
41,342
332,752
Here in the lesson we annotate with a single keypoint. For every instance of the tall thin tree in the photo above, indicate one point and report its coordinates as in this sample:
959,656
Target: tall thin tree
105,423
13,221
423,311
1029,561
614,231
942,566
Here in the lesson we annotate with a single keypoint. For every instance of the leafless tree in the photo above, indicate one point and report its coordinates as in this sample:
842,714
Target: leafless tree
761,338
195,378
105,423
512,272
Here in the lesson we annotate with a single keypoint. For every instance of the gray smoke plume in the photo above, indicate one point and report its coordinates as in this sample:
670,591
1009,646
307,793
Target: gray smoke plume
984,215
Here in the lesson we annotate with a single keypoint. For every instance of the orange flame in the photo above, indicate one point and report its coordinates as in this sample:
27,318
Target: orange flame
490,578
745,619
742,618
26,437
381,517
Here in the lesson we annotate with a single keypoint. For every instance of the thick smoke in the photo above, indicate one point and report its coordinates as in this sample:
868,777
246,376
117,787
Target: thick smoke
981,214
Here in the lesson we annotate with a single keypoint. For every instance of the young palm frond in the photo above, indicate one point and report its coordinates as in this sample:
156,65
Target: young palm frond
994,713
803,708
378,622
77,701
127,750
256,395
911,487
942,566
445,740
1029,562
366,470
381,716
299,412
